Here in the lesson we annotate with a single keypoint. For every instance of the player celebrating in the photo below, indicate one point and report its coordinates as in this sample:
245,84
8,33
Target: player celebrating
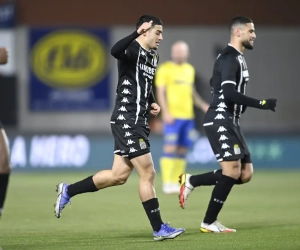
222,125
137,62
4,151
176,78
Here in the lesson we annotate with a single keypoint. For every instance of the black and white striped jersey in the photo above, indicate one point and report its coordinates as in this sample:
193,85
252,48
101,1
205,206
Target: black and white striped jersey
230,68
136,69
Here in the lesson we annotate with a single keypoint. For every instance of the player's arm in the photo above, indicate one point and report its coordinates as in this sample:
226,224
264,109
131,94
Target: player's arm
161,82
3,56
119,50
198,100
229,67
152,98
155,108
161,97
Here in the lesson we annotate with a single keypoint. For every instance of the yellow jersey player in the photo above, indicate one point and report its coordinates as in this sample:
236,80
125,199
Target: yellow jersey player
176,95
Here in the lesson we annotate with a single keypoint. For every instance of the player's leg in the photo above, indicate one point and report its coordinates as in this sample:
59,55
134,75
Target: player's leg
208,179
118,175
231,171
5,168
211,178
145,168
186,138
229,151
190,182
167,160
247,166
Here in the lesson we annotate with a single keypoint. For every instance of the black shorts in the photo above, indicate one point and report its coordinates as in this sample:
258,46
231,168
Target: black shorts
131,140
228,142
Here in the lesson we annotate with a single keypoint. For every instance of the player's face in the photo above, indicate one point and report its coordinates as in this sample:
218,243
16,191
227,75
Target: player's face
179,52
154,36
248,36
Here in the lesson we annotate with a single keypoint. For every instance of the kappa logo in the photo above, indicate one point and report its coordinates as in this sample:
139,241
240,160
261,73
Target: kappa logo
219,117
222,105
121,117
143,53
126,126
132,150
220,110
221,96
127,134
225,145
126,82
123,109
223,138
129,142
126,92
222,129
125,100
227,154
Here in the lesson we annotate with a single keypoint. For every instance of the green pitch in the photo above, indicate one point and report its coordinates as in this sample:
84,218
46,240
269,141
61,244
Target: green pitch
265,212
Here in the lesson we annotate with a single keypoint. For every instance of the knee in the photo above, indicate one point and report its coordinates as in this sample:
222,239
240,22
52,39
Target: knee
246,176
149,174
233,170
119,179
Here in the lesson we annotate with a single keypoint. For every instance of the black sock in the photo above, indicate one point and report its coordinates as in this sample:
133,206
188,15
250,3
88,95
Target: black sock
218,197
209,179
206,179
85,186
153,212
4,178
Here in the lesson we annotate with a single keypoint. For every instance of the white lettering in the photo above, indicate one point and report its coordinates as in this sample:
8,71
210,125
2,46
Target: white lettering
59,151
147,69
18,153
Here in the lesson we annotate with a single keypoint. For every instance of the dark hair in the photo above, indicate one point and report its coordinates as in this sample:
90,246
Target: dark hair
148,18
239,20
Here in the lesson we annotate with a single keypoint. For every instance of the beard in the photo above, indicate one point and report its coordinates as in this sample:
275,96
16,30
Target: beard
247,45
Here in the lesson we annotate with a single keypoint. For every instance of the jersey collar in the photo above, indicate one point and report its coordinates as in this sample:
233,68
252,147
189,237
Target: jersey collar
235,48
143,47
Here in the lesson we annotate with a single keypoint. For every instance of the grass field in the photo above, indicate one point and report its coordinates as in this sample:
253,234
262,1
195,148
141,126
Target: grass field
265,212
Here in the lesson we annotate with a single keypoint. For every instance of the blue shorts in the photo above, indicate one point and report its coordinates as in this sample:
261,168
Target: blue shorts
180,133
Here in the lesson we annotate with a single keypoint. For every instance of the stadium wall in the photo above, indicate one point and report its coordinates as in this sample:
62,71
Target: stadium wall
271,64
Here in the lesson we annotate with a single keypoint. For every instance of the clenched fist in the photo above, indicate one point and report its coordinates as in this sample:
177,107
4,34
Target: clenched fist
155,109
